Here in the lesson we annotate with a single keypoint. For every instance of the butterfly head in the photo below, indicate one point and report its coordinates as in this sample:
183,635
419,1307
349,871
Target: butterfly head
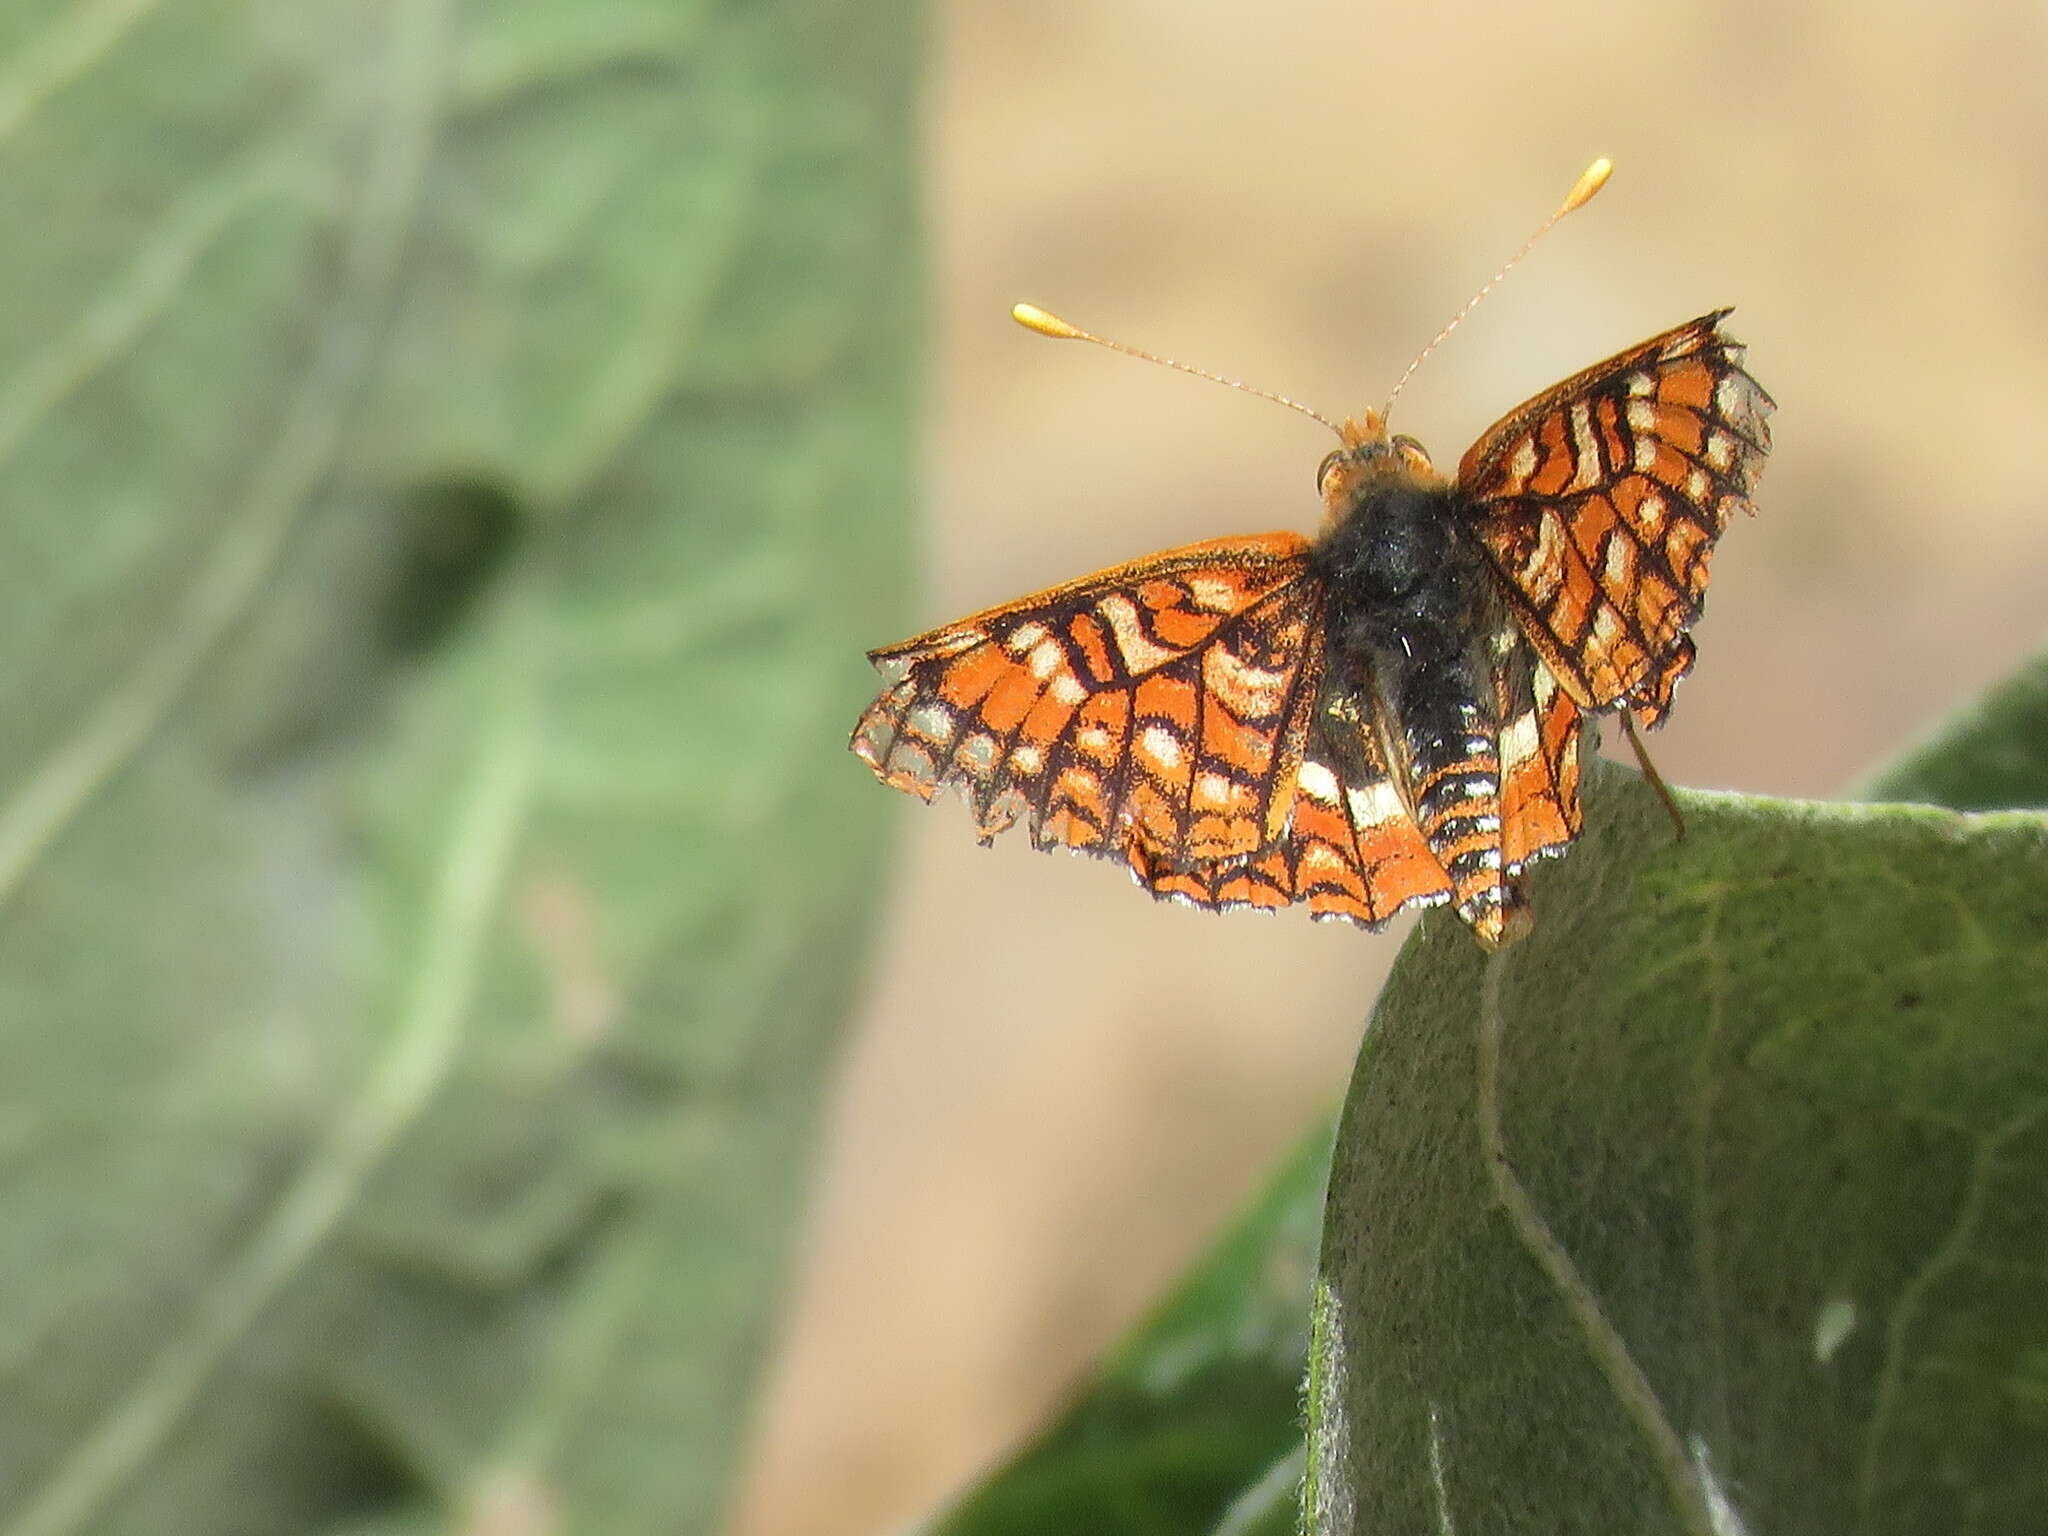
1368,458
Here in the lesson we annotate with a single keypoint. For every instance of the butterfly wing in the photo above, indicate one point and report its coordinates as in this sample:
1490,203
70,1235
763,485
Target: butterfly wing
1358,847
1161,705
1599,502
1539,760
1351,849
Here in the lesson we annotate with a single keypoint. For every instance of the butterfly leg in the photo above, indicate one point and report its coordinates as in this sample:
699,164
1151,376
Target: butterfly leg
1656,779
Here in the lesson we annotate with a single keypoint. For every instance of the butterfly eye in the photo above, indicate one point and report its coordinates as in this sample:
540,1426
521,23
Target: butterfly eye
1416,455
1329,463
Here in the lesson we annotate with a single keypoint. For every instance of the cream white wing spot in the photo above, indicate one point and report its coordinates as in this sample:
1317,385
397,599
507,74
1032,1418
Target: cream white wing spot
1377,805
1731,397
1619,566
931,720
1544,568
1067,689
1138,652
1161,746
1247,691
1019,641
1320,862
872,745
1213,593
1585,452
1080,783
1317,782
910,758
1650,514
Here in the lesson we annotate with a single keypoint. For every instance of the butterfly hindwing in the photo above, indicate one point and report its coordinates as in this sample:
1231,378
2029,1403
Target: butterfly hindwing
1600,500
1351,850
1354,847
1539,761
1162,703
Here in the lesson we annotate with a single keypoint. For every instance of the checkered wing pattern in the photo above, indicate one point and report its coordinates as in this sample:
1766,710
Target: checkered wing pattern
1351,849
1600,500
1153,712
1354,849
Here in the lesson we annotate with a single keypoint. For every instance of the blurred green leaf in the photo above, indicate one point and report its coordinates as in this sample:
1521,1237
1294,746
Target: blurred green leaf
1993,756
1272,1505
451,459
1201,1403
1714,1205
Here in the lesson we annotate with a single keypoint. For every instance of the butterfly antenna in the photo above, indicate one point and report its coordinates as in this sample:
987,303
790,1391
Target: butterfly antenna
1032,318
1590,181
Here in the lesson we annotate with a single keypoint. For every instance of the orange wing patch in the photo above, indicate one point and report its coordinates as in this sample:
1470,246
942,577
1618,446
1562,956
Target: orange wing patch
1161,704
1600,500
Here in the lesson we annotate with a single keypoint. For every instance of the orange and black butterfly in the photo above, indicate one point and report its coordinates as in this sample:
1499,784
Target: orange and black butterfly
1383,716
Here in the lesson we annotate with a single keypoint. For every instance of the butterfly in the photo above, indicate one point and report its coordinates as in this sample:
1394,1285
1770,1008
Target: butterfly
1387,715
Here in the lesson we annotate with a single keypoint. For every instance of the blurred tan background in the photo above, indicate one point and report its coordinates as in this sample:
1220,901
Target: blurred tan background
1056,1088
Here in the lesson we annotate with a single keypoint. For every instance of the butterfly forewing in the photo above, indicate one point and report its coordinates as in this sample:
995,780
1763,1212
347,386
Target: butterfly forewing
1600,500
1161,704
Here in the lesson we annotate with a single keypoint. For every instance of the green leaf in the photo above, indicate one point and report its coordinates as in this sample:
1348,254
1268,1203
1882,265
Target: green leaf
1992,757
1714,1205
1198,1406
451,460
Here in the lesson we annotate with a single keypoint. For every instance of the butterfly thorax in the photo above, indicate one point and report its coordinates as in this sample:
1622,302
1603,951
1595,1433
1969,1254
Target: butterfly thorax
1415,622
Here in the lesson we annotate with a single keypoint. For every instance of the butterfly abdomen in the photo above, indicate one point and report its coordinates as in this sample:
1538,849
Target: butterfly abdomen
1413,615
